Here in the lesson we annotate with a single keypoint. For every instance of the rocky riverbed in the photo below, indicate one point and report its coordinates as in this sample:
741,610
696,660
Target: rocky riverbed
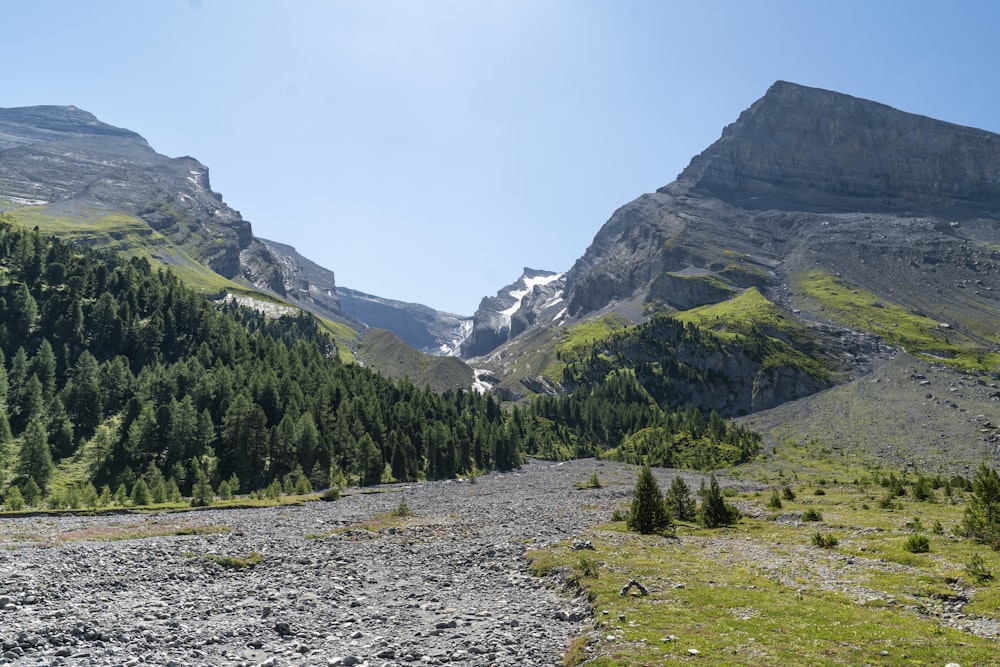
448,585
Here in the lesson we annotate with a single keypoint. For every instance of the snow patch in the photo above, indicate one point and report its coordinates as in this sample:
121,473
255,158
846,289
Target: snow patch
480,384
529,285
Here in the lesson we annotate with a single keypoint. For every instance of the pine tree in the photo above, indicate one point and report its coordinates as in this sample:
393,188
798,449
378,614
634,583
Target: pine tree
140,493
14,501
715,511
648,514
32,494
679,501
36,457
981,519
202,494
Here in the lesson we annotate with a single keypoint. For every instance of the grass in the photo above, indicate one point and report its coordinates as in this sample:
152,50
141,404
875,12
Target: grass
399,517
116,532
253,559
919,335
751,310
769,591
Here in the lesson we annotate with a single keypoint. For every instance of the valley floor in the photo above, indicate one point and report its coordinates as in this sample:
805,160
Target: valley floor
343,582
477,575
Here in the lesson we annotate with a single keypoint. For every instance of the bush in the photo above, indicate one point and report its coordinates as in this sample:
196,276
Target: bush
402,509
819,492
618,515
787,493
649,513
588,567
331,494
917,544
824,541
775,501
812,514
977,570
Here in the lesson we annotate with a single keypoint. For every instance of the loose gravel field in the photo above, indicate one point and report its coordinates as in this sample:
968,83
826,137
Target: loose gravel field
336,584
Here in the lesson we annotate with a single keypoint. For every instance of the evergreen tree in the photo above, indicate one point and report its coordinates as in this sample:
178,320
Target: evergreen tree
680,503
981,519
14,501
32,494
202,494
36,457
140,493
715,511
649,513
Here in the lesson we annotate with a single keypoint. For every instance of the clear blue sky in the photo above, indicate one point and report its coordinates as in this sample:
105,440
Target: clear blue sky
427,150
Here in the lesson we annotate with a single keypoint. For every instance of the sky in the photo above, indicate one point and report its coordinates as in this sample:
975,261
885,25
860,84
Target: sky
429,150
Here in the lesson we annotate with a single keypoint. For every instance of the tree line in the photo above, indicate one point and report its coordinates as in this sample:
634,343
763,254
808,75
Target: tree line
117,365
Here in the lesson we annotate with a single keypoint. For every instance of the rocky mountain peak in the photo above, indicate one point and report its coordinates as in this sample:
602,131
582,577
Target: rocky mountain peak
799,147
27,125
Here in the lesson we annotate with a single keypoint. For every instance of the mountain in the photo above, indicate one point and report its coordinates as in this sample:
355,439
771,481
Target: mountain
423,328
64,159
863,232
537,296
72,175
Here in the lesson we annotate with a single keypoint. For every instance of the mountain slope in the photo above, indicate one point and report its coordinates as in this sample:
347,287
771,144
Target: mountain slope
71,175
872,229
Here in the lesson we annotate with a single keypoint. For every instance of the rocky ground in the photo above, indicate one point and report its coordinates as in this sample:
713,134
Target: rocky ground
449,585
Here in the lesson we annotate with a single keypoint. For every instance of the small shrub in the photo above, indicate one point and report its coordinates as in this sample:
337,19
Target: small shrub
917,544
594,481
775,501
824,541
787,493
937,528
819,492
225,492
235,562
588,567
812,514
402,509
887,501
331,494
977,570
618,515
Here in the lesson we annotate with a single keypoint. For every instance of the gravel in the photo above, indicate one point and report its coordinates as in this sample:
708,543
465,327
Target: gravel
450,585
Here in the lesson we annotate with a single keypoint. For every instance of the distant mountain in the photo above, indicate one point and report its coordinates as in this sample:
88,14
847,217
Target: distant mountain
423,328
534,298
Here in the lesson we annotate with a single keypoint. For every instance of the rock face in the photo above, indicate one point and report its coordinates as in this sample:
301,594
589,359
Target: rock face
423,328
805,177
65,158
534,298
804,148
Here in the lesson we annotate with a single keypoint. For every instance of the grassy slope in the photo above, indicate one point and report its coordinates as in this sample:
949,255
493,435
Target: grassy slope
761,593
132,237
848,305
383,351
